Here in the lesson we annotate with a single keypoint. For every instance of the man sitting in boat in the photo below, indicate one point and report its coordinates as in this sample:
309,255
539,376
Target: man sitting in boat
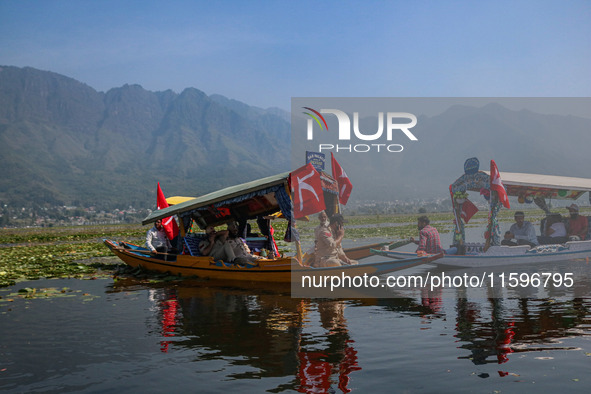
508,239
577,224
326,244
216,245
555,230
523,231
429,241
337,226
239,246
156,239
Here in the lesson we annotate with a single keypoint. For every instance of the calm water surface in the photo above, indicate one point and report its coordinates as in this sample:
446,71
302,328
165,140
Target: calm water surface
127,336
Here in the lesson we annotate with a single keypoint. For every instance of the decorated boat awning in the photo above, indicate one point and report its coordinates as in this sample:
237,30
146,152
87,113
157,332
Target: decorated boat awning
328,183
246,200
526,185
546,186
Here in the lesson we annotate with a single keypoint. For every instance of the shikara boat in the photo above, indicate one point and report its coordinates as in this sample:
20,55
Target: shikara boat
256,200
279,270
497,256
528,188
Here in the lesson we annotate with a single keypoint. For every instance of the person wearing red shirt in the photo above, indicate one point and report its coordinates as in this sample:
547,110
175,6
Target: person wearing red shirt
577,224
429,241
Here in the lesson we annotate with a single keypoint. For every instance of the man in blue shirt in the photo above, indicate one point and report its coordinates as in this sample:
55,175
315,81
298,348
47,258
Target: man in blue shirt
523,231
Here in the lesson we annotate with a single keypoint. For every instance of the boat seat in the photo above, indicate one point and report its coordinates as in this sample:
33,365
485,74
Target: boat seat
191,244
256,244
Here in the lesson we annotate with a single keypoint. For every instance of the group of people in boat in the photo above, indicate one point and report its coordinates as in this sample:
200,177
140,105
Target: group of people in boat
328,235
224,245
554,229
228,246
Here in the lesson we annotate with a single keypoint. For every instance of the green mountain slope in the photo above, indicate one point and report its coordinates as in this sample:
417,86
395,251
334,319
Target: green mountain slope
62,142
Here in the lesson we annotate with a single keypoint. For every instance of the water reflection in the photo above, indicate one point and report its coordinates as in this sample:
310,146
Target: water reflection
319,370
493,332
169,309
261,335
264,333
260,339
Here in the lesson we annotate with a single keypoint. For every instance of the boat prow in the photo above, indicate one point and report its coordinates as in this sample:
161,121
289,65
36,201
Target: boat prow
498,256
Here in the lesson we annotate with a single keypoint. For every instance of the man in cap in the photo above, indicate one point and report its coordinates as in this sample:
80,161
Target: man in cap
523,231
577,224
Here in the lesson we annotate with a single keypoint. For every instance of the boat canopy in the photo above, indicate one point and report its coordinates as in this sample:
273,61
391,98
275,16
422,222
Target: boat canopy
178,199
527,188
527,185
547,186
240,202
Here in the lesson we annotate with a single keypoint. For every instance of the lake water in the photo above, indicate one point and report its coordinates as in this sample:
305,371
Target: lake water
129,336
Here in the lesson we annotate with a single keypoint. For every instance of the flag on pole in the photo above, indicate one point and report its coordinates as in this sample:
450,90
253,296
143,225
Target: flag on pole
170,227
497,185
468,210
343,181
307,191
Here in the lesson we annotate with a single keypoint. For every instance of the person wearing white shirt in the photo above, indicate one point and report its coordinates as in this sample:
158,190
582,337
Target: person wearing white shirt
523,231
156,239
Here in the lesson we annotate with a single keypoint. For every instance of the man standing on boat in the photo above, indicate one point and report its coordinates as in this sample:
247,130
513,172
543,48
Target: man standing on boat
429,241
523,231
323,225
156,239
577,224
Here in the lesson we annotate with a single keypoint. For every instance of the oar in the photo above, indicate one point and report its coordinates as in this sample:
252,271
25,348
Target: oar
397,244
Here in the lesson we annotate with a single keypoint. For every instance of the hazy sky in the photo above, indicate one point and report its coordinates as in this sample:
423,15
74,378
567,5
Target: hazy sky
263,53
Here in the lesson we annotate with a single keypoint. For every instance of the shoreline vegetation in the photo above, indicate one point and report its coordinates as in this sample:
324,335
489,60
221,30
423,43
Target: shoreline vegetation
78,251
60,252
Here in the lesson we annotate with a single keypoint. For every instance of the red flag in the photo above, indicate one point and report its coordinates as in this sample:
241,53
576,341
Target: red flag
343,182
307,191
170,227
497,185
468,210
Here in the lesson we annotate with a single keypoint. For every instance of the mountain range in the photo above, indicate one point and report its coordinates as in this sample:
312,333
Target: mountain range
64,143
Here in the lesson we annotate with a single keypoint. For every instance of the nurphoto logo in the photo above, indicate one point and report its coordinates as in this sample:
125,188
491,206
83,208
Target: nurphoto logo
396,125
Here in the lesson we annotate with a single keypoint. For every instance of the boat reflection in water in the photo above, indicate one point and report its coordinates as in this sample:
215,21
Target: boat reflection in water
270,335
493,332
250,334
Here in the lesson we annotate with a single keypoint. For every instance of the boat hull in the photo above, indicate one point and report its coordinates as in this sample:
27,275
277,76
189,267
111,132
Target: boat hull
281,270
498,256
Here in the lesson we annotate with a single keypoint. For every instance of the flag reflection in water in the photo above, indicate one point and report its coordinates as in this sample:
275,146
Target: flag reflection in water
167,307
339,358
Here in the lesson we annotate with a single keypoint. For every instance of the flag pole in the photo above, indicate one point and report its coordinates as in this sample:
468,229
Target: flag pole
493,201
459,225
298,246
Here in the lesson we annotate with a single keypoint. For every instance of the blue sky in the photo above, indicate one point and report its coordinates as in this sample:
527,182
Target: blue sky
263,53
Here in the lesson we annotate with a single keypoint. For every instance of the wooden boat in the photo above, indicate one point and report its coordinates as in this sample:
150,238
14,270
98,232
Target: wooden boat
279,270
253,200
529,188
